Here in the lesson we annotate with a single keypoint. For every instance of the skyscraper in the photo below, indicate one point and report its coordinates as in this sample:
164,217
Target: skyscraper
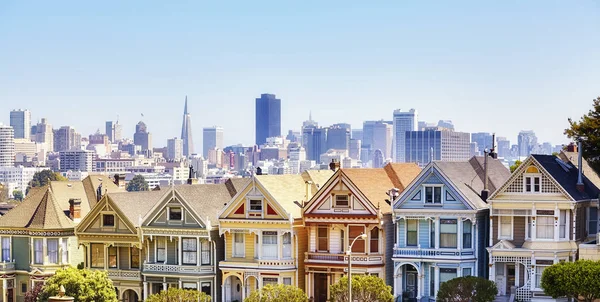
212,138
186,131
142,137
174,148
268,118
423,146
113,131
45,135
338,137
65,138
403,121
109,128
315,142
7,146
20,120
526,140
503,147
483,140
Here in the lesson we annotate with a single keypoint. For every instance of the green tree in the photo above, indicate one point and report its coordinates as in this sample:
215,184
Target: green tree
83,285
515,166
137,183
32,294
579,280
588,128
3,193
18,195
278,293
467,289
41,179
364,288
179,295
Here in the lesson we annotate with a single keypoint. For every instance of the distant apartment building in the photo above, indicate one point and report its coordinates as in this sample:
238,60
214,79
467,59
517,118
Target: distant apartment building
142,137
20,120
403,121
425,146
112,165
66,138
175,148
503,147
212,138
338,136
76,160
17,178
268,117
44,135
7,146
483,140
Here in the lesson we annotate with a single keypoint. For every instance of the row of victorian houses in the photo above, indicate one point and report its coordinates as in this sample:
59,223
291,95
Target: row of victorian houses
423,227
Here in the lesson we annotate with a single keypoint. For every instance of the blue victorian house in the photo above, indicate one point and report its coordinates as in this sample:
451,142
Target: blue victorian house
442,225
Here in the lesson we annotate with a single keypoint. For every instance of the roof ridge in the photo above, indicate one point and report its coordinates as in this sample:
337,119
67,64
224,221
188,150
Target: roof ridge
38,209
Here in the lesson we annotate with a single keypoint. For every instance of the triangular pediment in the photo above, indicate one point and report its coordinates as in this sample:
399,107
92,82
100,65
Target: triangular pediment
339,196
115,221
173,211
503,245
253,202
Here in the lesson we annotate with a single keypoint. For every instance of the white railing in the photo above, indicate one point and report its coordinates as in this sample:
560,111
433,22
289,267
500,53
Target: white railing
123,274
283,262
7,266
416,252
342,258
169,268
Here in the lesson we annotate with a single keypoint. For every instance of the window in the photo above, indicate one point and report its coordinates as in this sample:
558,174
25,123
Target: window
112,257
432,281
135,257
23,288
466,272
374,244
38,246
175,214
238,245
6,249
592,221
108,220
528,227
287,245
355,231
189,285
448,236
65,250
269,244
343,248
206,288
205,245
97,250
447,274
322,244
532,184
52,250
256,205
190,250
562,224
287,281
540,266
161,250
505,227
433,195
431,234
341,201
467,234
411,232
272,281
544,227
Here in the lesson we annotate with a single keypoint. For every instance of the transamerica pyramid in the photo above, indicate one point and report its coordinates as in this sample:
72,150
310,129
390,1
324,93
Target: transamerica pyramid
186,132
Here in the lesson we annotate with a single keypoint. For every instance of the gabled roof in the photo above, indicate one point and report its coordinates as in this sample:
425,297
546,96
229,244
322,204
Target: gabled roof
135,205
285,189
91,184
588,171
402,174
40,211
566,175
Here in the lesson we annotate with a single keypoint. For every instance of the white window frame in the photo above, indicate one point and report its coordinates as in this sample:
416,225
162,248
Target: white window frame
552,225
538,279
463,272
287,280
588,221
406,232
250,205
335,204
566,224
235,253
5,248
56,256
286,252
169,214
532,176
512,230
433,187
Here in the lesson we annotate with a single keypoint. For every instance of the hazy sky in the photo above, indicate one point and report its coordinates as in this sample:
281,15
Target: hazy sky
490,66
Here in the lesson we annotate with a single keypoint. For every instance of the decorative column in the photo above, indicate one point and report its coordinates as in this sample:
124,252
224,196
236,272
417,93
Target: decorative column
492,230
60,251
437,232
259,233
4,288
459,234
180,284
419,283
436,283
198,254
145,293
166,250
164,285
556,222
180,252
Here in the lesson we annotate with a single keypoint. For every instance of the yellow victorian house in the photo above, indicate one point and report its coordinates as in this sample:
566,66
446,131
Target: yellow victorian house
265,239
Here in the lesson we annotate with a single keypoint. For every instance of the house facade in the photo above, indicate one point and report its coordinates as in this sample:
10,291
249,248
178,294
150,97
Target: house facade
352,202
264,236
440,221
538,218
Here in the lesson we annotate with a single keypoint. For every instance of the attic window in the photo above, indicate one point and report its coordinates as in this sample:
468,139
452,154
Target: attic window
532,184
433,195
108,220
174,213
256,205
341,201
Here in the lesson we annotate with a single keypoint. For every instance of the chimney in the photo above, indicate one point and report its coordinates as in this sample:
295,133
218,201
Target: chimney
334,165
116,179
485,193
580,186
493,152
572,147
99,192
75,209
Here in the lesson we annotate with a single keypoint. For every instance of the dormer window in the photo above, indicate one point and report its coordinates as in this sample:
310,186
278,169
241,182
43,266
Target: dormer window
433,195
175,214
342,201
256,205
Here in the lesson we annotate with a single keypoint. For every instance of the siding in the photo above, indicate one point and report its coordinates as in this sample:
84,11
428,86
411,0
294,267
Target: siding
302,247
335,235
401,233
172,251
76,252
312,231
21,253
124,256
220,256
423,233
518,231
388,235
151,249
495,229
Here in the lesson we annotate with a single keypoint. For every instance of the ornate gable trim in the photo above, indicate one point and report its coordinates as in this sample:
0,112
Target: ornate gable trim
97,211
172,194
339,177
253,189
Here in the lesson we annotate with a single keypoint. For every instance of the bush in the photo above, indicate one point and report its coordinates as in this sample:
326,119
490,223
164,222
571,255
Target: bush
466,289
364,288
579,280
83,285
179,295
277,293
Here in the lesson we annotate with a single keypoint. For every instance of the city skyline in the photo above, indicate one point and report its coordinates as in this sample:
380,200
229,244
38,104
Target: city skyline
359,71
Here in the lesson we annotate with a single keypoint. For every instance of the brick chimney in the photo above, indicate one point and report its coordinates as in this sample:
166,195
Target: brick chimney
75,209
572,147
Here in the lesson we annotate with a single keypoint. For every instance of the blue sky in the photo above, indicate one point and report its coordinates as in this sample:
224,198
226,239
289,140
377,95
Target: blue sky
491,66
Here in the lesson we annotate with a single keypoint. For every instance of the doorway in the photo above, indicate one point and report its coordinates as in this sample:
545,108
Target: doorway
510,277
411,285
321,287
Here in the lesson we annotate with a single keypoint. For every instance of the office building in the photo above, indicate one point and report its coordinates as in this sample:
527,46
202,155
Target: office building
44,135
17,178
175,148
503,147
20,121
378,159
526,141
186,131
357,134
268,118
403,121
424,146
142,137
212,138
113,131
315,142
338,137
66,138
355,148
377,135
7,146
76,160
483,140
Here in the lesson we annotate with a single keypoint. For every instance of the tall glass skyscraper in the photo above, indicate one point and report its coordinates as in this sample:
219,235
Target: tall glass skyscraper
403,121
268,117
20,120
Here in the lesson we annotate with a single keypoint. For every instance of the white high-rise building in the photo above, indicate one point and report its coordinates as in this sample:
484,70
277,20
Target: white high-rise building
403,121
20,120
212,138
175,148
7,146
76,160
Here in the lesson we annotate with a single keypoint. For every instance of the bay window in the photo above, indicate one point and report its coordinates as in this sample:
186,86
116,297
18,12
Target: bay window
505,228
97,255
238,245
272,281
52,250
411,232
269,244
374,243
287,245
540,266
447,274
467,234
161,250
562,224
189,248
205,245
112,257
38,249
592,218
6,249
448,233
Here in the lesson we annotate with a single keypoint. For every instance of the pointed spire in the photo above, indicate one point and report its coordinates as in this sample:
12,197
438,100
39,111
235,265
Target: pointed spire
185,108
310,115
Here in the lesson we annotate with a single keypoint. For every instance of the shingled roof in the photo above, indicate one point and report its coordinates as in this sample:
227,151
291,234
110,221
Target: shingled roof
39,211
566,174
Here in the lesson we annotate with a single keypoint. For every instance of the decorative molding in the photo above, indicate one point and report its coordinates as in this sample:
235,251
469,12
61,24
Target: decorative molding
174,232
37,233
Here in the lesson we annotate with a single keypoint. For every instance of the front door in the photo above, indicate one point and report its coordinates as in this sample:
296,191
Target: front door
500,279
510,277
320,287
410,286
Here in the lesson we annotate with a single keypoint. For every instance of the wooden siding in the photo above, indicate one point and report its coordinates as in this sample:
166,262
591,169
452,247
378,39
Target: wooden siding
495,220
423,233
124,256
302,238
76,252
172,251
401,232
518,230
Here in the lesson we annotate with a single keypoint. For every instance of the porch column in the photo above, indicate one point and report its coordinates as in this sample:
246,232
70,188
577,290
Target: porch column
491,231
436,283
164,286
492,265
180,251
420,282
148,251
180,284
259,244
4,286
198,254
145,293
437,232
166,250
244,288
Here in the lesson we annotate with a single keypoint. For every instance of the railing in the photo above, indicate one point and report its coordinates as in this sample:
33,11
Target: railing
283,262
7,266
183,269
524,293
416,252
342,258
124,275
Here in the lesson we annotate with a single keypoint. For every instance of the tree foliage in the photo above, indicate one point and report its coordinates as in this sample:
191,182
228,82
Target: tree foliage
18,195
467,289
41,179
179,295
364,288
32,294
137,183
83,285
3,193
514,166
588,128
277,293
579,280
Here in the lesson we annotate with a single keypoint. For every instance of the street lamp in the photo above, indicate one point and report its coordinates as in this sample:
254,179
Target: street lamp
362,236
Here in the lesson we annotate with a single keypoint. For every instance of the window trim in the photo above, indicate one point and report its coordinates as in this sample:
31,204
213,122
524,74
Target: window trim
335,202
114,225
169,209
532,176
406,232
471,232
433,203
184,250
457,233
250,205
377,240
101,250
318,237
512,230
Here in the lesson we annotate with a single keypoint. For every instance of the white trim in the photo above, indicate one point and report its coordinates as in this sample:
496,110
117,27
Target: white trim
169,213
406,232
433,186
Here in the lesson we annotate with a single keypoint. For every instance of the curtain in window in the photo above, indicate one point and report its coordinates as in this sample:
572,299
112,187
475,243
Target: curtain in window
97,255
432,234
267,281
269,247
135,257
545,227
287,245
287,281
6,249
161,250
38,246
190,250
205,245
539,269
562,222
467,234
112,257
448,233
238,245
52,250
505,226
65,250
